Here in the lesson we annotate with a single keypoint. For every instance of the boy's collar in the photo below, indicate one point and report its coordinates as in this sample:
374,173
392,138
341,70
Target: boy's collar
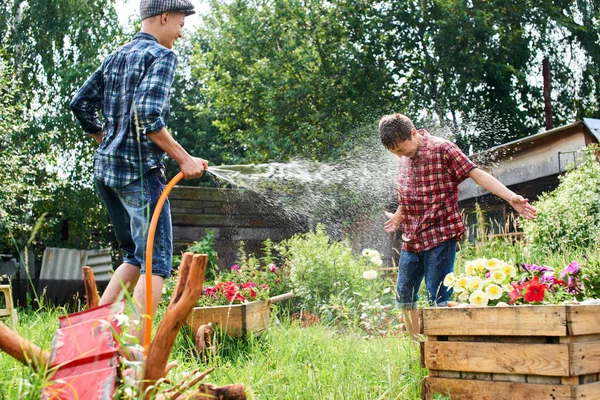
145,36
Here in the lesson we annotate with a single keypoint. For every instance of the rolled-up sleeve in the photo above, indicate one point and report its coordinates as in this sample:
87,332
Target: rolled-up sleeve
152,94
87,102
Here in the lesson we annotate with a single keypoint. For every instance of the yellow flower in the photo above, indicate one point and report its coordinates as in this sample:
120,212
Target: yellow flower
497,276
480,265
493,263
470,268
508,270
494,292
508,288
478,298
461,284
464,296
450,280
475,283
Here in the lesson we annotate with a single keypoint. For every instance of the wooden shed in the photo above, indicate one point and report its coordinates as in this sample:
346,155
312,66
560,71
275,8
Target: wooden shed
528,166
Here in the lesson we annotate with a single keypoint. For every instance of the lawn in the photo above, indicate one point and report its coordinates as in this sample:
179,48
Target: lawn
286,362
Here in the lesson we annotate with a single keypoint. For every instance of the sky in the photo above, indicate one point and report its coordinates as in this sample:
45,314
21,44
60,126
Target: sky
127,8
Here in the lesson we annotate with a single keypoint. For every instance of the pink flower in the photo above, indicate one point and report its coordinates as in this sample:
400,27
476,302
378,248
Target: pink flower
572,269
235,267
273,267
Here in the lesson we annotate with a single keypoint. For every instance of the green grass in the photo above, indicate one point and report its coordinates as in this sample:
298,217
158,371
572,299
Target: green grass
286,362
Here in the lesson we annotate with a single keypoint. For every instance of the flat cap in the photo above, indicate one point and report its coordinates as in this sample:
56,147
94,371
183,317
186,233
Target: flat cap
150,8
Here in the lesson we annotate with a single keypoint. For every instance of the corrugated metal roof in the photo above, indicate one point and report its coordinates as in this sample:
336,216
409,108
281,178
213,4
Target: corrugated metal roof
66,264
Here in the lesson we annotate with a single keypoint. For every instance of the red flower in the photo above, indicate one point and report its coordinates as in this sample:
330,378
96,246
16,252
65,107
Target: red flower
534,291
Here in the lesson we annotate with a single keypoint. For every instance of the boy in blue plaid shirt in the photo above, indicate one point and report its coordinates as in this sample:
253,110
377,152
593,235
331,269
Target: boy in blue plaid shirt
132,88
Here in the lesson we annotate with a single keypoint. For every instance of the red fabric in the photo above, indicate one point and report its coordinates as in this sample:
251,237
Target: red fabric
428,193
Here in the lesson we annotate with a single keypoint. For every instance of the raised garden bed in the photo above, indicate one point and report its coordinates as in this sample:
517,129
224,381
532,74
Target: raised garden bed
517,352
236,319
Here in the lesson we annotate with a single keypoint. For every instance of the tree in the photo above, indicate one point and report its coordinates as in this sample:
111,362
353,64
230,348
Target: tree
51,47
284,78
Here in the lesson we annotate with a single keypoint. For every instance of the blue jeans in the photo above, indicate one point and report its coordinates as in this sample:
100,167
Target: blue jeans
130,209
434,265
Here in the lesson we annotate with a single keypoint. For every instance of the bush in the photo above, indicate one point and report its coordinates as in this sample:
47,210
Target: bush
569,217
321,268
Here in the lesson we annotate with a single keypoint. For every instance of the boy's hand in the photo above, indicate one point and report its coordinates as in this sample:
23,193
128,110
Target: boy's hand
523,207
194,167
392,224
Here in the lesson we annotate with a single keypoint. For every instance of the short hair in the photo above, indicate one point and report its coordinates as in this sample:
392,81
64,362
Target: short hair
394,128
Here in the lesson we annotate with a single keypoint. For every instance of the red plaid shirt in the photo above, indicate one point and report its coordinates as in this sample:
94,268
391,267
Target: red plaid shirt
428,193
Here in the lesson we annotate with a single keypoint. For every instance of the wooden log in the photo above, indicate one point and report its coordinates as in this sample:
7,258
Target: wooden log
204,338
21,349
91,292
236,391
187,291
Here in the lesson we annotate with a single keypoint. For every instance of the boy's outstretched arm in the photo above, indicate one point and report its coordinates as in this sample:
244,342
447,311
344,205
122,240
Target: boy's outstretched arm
496,187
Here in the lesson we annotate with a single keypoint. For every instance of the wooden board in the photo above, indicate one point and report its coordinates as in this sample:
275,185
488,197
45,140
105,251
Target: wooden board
501,358
461,389
235,320
499,321
584,358
583,319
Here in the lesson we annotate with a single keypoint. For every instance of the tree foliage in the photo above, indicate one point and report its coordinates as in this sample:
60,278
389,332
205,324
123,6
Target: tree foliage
49,49
284,78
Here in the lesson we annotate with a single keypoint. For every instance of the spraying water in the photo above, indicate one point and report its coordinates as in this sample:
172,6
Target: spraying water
320,192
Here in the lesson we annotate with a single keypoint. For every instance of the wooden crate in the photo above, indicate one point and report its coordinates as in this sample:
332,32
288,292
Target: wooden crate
520,352
235,320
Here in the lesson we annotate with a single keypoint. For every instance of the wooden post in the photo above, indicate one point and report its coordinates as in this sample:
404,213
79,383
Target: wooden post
91,292
186,294
21,349
547,91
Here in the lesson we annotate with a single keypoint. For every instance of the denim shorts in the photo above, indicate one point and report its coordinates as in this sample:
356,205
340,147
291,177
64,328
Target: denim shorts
433,265
130,209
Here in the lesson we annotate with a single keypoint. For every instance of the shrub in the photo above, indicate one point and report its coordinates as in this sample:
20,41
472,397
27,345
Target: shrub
569,217
321,268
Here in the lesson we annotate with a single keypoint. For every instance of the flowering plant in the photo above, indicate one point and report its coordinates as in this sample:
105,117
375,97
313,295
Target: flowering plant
494,282
484,282
224,293
540,283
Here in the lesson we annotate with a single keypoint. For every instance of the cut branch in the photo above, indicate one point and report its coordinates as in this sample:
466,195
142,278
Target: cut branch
91,292
21,349
186,294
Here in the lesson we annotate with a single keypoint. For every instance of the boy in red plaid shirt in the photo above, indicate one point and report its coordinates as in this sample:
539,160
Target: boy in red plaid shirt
430,170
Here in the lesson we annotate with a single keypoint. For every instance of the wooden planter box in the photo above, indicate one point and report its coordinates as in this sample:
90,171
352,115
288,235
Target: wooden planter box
238,319
519,352
235,320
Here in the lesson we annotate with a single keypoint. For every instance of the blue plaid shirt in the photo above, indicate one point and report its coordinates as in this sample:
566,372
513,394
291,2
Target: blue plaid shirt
131,87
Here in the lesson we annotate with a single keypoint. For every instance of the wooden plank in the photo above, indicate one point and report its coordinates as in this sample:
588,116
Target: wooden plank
222,220
499,321
590,391
584,358
583,319
503,358
461,389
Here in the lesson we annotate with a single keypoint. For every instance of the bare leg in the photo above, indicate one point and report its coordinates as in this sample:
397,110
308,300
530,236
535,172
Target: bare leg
139,300
127,275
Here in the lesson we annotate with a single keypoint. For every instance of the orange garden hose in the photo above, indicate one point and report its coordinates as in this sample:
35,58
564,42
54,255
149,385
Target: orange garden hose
149,246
